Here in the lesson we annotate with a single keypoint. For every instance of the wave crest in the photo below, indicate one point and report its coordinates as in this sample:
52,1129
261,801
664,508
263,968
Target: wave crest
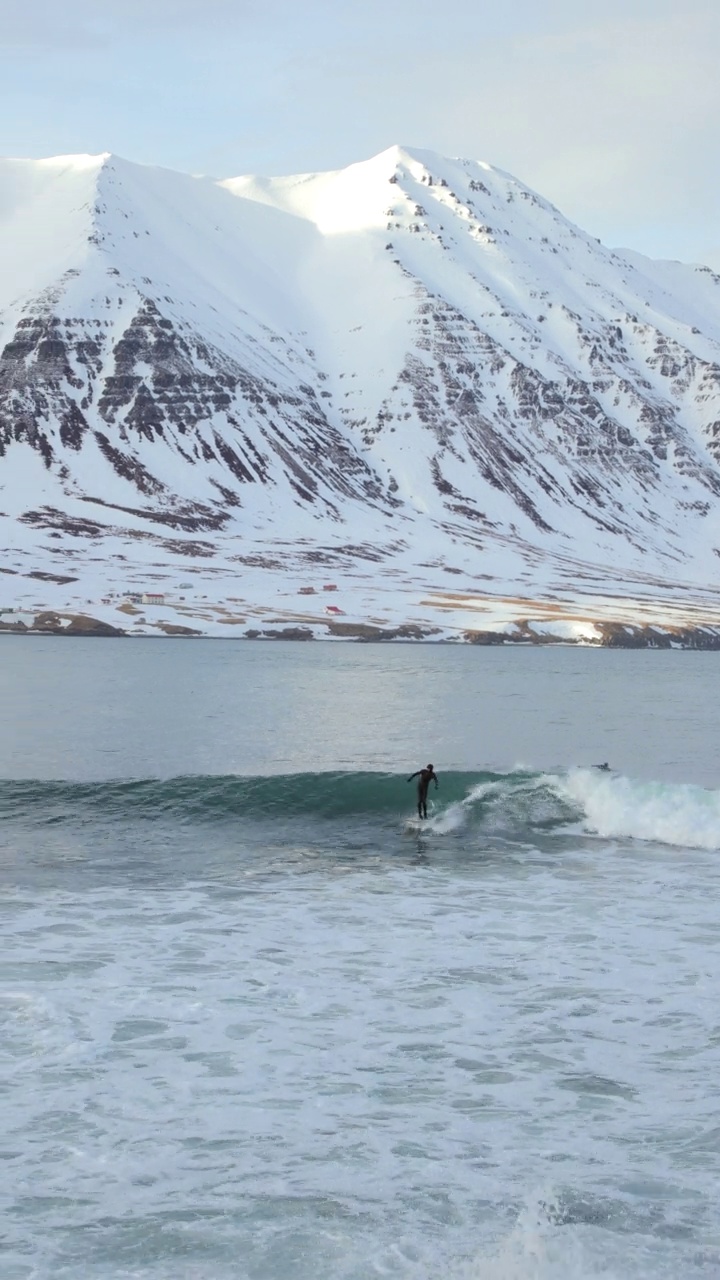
520,803
669,813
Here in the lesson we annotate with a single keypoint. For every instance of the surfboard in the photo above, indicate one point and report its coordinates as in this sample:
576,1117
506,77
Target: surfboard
422,824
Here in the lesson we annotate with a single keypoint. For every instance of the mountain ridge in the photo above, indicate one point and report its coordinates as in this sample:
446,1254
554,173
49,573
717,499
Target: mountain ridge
415,356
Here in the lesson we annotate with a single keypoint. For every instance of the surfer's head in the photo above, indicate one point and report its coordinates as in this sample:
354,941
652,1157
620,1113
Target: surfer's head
429,767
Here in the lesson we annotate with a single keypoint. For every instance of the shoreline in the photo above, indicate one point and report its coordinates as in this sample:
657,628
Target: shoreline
611,635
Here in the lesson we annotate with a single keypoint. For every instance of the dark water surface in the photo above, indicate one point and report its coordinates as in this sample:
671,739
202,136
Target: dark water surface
90,709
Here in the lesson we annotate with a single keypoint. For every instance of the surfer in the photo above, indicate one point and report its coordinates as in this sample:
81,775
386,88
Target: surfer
425,775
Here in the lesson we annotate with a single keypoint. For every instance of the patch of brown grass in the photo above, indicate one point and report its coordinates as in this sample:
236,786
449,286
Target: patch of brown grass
173,629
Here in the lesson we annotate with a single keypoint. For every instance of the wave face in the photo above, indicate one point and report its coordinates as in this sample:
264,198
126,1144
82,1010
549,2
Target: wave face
319,795
519,804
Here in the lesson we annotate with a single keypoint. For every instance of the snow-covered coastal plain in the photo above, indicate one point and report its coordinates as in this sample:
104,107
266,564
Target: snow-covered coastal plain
405,400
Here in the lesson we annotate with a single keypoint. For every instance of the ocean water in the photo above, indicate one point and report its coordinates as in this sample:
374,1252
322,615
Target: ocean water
259,1021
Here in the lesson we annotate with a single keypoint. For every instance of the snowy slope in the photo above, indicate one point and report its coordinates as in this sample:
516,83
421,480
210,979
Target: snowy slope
413,373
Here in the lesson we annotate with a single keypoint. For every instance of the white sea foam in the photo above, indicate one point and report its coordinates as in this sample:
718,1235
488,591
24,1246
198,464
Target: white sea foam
323,1065
541,1246
445,819
676,814
451,819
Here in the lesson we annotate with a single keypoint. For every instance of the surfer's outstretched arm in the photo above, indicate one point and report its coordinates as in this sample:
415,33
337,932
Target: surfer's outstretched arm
414,775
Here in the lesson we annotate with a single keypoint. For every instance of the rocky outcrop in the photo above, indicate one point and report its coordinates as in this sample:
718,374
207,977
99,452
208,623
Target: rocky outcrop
56,624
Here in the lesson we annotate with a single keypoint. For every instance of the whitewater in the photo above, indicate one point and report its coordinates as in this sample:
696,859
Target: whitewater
260,1021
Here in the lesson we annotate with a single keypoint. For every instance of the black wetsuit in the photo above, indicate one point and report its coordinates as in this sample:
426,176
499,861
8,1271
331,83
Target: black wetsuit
425,775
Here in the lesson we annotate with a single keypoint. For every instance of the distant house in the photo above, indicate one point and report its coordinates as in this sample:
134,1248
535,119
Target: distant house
332,608
330,586
152,597
306,591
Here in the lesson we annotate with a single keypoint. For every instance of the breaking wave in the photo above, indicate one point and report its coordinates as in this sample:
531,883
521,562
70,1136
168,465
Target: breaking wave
598,803
519,802
669,813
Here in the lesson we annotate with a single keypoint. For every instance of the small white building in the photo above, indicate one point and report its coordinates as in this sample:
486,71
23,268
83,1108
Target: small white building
152,597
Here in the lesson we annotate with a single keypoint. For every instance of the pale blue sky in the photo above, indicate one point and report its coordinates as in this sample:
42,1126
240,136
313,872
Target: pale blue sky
609,109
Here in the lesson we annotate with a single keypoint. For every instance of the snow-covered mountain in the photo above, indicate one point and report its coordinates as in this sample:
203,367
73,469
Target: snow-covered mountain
412,375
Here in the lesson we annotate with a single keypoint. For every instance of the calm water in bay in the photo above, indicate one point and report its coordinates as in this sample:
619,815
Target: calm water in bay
259,1021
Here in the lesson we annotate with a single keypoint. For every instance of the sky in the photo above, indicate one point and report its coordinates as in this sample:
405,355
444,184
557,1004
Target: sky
608,108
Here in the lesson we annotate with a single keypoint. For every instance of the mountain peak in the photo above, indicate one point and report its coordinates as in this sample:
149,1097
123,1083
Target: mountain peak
414,363
357,197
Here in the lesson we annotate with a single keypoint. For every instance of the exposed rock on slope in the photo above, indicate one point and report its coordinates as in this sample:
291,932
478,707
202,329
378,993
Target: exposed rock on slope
414,365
